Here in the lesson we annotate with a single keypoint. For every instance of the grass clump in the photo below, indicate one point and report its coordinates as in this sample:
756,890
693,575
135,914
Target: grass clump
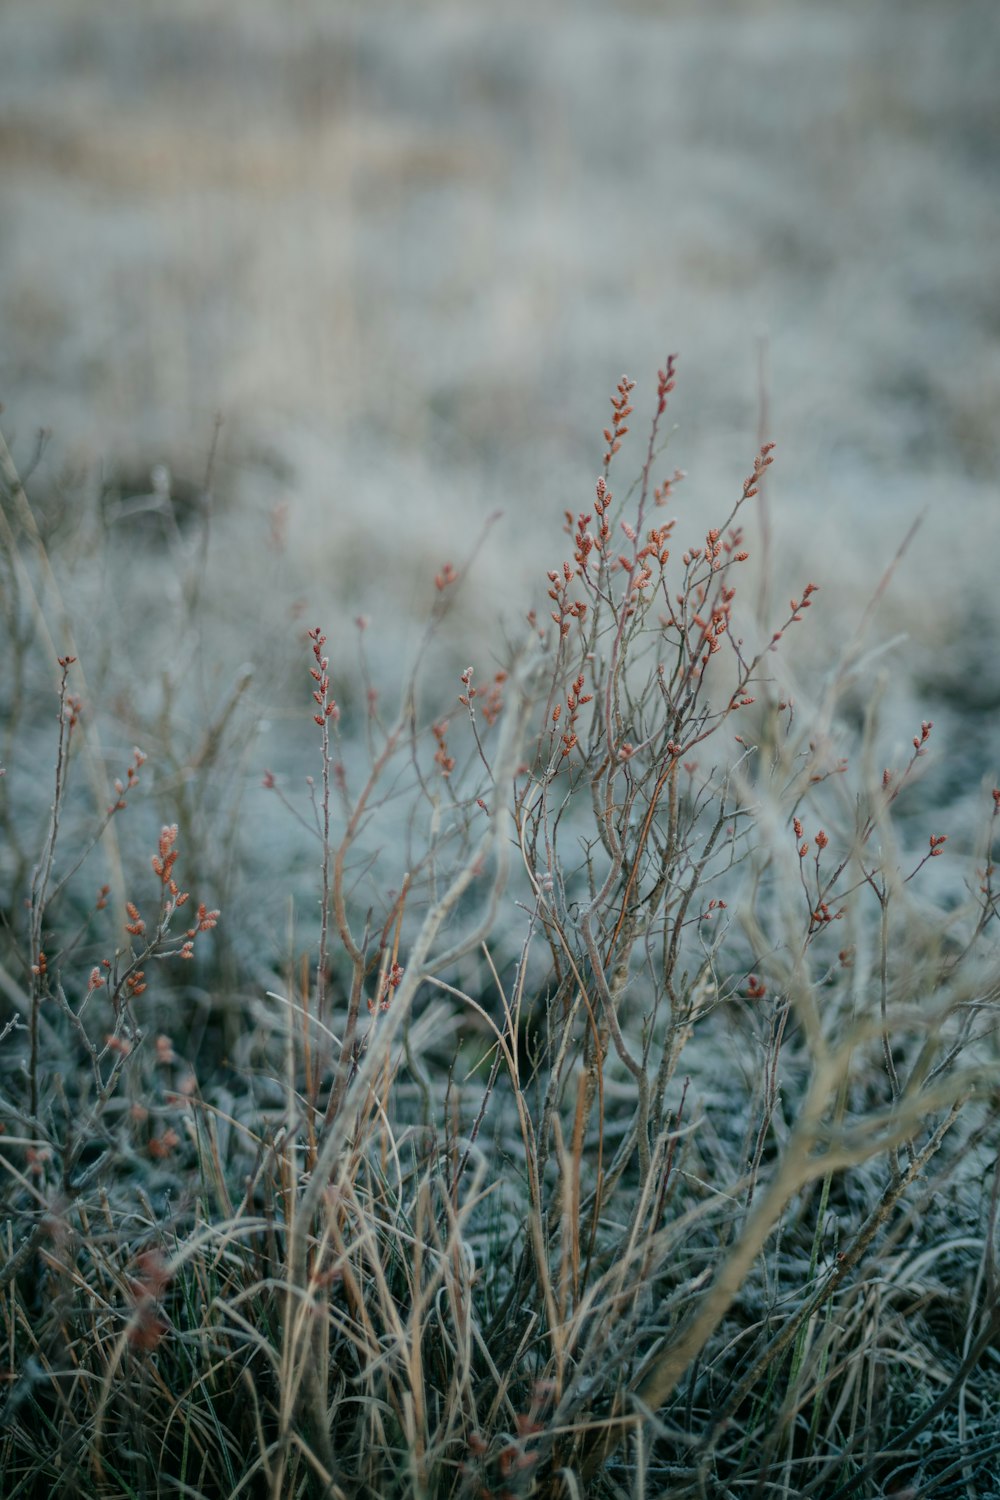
629,1129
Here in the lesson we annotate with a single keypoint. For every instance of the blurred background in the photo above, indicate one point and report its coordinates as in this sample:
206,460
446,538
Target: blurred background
404,251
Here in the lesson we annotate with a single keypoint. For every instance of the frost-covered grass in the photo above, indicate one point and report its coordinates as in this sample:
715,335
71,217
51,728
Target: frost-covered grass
582,1084
404,249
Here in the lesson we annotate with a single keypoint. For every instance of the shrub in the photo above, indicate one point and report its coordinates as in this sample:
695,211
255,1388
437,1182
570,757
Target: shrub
632,1129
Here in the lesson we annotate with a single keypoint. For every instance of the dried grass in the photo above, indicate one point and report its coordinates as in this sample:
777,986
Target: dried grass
625,1124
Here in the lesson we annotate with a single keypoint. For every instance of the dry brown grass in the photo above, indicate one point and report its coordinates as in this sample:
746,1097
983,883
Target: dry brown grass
629,1127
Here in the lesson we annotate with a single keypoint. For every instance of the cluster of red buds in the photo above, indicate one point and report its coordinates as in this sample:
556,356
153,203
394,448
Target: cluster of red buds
205,920
576,699
38,1158
717,550
390,984
602,504
620,410
893,782
584,541
751,484
164,860
822,838
321,676
160,1147
442,759
665,383
147,1327
490,699
566,610
796,606
165,1054
514,1460
714,628
655,553
664,492
492,704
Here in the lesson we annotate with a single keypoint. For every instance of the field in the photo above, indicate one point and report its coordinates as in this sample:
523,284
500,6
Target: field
498,960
